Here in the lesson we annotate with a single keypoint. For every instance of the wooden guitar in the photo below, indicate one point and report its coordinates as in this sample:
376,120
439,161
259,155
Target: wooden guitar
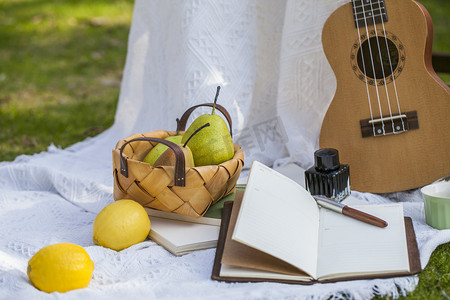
390,116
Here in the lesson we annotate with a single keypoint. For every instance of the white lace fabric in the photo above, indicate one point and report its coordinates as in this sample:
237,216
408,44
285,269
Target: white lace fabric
276,84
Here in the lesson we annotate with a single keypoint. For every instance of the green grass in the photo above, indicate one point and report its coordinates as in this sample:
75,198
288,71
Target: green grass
434,281
440,14
61,64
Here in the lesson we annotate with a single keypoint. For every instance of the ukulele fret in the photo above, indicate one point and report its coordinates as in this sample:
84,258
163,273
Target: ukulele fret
366,11
389,124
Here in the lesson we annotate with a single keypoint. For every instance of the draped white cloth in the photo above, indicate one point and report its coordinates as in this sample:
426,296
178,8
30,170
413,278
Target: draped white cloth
276,84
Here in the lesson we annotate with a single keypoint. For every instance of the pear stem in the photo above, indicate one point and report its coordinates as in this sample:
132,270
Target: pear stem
178,126
215,100
194,133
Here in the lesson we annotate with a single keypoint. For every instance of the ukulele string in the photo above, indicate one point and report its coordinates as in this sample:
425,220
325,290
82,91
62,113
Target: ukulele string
372,12
364,66
392,69
373,65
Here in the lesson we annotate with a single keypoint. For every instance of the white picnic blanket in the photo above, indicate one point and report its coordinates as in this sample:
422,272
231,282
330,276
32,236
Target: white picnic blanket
268,59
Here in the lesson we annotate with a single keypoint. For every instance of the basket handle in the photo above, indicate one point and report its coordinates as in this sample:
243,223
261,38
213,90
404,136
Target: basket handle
184,118
179,158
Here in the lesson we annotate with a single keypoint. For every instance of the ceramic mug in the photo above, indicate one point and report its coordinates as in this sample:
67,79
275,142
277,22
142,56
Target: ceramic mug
436,198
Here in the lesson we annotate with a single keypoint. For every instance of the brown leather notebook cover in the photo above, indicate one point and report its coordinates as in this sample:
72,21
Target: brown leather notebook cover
413,253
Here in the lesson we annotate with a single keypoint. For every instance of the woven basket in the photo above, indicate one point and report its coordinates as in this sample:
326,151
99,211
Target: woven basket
187,191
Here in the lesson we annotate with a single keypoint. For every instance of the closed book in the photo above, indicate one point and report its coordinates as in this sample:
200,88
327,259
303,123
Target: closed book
181,234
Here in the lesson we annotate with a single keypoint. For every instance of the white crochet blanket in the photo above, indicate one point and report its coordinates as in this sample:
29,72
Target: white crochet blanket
276,84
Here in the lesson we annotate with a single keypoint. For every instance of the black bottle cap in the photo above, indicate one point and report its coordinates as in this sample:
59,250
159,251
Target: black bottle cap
326,160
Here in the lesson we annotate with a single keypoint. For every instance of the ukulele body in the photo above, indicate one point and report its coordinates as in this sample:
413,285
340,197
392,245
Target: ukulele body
402,152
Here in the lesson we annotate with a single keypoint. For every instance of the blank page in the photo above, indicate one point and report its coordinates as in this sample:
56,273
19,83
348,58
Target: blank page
348,246
279,217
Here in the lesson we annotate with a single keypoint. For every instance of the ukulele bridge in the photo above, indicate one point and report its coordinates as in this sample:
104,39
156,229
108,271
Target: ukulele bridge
386,125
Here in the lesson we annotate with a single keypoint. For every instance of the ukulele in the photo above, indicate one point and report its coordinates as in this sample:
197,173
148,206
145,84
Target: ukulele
390,115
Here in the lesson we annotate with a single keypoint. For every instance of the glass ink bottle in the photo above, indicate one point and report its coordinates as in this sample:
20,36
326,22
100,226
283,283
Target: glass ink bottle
328,177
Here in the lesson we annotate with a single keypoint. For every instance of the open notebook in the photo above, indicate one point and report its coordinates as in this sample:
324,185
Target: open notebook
276,232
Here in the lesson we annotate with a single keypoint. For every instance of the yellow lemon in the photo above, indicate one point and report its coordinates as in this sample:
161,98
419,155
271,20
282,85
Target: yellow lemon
60,268
121,224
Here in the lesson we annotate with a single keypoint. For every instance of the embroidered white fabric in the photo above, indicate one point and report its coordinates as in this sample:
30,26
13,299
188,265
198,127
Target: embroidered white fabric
276,83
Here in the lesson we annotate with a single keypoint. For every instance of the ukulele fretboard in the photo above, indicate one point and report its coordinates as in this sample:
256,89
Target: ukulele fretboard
368,12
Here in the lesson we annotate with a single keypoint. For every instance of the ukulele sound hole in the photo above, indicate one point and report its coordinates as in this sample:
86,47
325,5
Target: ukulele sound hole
378,58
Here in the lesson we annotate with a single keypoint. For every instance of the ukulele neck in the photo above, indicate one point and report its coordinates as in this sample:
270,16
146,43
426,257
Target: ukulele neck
366,12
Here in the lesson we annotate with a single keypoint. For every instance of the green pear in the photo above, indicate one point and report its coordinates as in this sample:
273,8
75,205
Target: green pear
168,157
159,149
212,145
